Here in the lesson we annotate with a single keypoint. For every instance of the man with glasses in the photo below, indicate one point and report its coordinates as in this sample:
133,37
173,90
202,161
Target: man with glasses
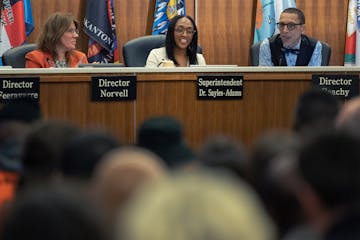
290,47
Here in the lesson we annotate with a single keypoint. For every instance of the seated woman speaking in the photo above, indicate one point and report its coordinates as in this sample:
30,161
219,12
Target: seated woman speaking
180,46
57,44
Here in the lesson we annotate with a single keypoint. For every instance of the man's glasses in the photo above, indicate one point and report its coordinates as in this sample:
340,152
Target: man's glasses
290,26
73,31
181,30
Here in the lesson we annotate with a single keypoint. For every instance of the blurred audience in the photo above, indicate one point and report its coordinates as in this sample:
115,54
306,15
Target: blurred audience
315,111
348,118
270,168
43,147
120,175
16,118
163,135
83,152
49,212
199,207
222,153
328,186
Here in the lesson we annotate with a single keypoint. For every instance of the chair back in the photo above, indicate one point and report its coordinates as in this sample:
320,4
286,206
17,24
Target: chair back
325,54
254,53
136,51
15,57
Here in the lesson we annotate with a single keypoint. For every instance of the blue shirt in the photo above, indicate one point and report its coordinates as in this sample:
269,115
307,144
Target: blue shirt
265,55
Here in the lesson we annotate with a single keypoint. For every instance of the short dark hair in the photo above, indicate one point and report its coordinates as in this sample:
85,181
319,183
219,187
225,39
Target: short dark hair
330,164
170,41
296,11
315,109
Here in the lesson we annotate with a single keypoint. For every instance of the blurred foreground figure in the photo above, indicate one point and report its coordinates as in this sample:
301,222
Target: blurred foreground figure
120,175
196,207
328,187
45,213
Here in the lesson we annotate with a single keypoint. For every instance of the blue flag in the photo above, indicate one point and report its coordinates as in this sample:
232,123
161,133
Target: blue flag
164,11
16,24
29,21
267,15
99,25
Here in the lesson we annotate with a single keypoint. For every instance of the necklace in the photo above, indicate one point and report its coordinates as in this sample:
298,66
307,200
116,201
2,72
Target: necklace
60,63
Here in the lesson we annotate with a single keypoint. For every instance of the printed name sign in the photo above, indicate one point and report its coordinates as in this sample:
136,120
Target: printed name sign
119,88
15,88
220,87
344,86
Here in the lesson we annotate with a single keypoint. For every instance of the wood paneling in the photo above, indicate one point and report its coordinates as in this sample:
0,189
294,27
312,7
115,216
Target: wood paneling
326,20
225,26
68,98
225,30
266,104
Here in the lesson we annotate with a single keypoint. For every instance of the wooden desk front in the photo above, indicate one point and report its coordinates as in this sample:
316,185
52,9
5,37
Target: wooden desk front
269,98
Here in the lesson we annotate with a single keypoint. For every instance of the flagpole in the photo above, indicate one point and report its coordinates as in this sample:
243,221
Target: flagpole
195,12
1,3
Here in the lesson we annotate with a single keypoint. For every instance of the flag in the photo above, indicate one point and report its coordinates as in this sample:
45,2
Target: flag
352,41
267,15
164,11
16,24
99,25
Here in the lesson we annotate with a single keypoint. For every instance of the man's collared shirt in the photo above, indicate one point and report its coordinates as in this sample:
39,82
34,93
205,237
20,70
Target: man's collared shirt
265,55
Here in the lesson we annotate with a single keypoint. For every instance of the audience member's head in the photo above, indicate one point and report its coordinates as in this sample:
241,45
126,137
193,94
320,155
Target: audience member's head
120,174
348,118
16,118
164,136
316,110
21,110
270,168
329,184
51,213
84,152
196,207
43,147
177,26
223,153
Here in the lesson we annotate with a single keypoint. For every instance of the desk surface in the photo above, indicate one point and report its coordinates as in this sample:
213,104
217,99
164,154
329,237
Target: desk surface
210,69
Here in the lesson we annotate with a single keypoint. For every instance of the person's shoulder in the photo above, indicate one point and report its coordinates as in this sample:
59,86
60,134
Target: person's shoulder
159,50
78,53
35,53
201,59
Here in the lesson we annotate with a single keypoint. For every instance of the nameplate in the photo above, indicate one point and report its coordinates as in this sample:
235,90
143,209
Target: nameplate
106,88
220,87
343,86
13,88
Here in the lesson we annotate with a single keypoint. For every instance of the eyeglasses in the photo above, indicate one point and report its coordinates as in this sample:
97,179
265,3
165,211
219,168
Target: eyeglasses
71,30
290,26
181,30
